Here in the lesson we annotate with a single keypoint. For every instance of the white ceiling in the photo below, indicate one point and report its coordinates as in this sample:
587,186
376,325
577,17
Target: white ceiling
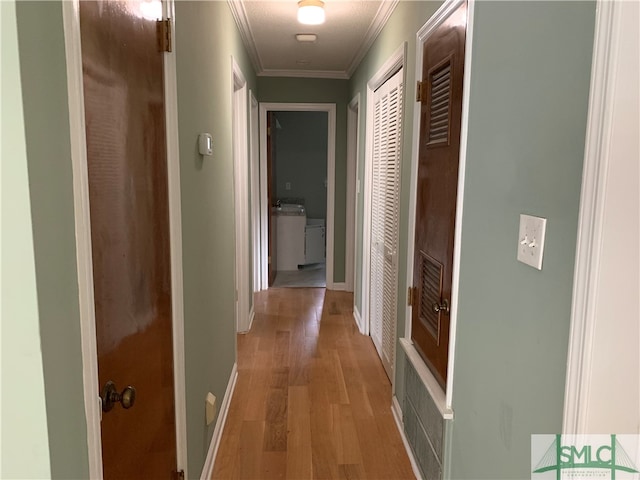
268,30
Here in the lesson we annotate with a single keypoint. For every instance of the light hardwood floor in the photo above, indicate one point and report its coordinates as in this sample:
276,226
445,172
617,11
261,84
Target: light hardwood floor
312,399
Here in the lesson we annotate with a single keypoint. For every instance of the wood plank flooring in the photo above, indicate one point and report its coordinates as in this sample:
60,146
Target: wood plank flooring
312,400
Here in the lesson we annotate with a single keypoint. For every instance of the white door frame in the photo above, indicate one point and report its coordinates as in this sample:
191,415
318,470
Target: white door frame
591,223
330,108
254,160
241,196
442,399
391,66
93,411
353,151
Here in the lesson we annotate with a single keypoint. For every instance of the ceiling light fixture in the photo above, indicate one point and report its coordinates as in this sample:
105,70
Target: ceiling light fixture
311,12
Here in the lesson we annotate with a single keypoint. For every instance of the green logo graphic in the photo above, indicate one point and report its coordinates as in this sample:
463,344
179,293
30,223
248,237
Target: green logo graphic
603,456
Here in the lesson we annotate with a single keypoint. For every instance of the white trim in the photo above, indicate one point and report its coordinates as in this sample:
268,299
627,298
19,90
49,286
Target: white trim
380,20
92,405
353,151
71,20
241,194
252,316
393,63
397,416
339,286
212,452
242,21
175,238
421,37
254,174
330,108
591,219
358,318
330,74
244,27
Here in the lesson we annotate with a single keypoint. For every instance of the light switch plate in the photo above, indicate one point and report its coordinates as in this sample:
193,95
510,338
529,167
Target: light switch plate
531,240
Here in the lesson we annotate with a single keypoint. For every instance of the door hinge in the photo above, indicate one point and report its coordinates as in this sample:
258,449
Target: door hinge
269,260
411,294
179,475
269,131
164,34
421,93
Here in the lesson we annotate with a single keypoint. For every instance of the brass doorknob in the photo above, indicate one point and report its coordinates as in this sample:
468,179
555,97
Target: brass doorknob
441,308
110,396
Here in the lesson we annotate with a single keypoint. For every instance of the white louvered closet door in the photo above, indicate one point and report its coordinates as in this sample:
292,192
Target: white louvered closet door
385,199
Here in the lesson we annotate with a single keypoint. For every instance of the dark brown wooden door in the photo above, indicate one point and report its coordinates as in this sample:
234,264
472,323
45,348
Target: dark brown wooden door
439,151
127,170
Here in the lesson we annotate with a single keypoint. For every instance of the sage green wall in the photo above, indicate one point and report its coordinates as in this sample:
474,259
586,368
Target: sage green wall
206,38
400,30
25,442
530,79
317,90
301,159
46,120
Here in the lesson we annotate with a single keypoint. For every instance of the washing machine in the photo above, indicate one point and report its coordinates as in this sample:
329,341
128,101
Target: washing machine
314,241
291,222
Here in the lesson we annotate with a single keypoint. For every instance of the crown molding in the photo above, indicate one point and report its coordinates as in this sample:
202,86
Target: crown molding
242,21
380,20
330,74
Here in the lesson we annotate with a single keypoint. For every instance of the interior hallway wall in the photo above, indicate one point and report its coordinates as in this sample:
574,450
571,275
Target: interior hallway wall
25,442
206,38
530,80
318,90
300,159
47,132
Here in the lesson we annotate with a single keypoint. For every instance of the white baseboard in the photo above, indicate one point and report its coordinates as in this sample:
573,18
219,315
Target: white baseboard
358,319
207,469
397,416
341,286
252,315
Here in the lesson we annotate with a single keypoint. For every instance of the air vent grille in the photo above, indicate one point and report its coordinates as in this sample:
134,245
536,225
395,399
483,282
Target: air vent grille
439,104
430,293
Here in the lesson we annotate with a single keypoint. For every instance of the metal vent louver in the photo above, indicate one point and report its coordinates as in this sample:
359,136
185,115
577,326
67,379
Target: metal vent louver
430,292
440,100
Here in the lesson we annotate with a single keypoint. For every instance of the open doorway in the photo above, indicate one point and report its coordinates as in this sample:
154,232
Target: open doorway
297,185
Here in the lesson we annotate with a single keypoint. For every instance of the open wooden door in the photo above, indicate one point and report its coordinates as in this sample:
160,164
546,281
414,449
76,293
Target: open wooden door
129,209
439,152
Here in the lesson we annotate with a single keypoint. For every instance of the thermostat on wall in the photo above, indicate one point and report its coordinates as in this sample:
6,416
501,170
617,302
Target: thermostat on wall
205,144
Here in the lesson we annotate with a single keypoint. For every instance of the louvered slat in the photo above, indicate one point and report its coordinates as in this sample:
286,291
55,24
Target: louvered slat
384,225
430,293
440,99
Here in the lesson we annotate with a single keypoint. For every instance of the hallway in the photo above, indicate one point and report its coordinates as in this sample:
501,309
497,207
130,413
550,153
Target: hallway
312,399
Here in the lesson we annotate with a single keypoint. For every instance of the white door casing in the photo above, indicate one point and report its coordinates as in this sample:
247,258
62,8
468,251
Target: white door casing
241,197
353,150
330,108
385,206
93,411
254,160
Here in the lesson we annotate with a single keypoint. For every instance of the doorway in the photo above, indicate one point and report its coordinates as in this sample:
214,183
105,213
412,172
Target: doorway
381,207
99,153
297,193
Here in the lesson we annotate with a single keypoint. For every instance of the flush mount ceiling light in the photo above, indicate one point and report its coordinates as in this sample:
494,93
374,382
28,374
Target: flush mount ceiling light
311,12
